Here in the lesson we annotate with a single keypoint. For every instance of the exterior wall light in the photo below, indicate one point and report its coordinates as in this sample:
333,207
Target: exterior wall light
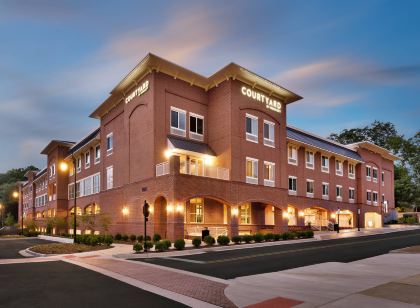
333,215
235,211
168,154
125,211
15,194
208,161
301,214
180,208
64,166
285,215
169,208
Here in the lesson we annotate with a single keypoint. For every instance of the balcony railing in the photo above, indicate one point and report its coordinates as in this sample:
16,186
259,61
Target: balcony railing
195,169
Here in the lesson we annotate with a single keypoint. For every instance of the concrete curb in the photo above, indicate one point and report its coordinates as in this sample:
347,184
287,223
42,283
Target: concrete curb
56,239
28,253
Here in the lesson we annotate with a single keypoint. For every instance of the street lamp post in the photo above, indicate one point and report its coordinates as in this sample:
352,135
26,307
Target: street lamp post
358,219
16,195
338,220
64,167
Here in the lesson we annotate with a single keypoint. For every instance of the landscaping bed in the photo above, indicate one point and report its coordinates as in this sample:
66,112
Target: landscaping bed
64,248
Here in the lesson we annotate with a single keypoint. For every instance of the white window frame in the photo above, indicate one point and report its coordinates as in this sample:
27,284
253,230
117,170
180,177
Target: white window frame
383,178
367,194
110,180
339,197
325,169
87,160
176,130
97,158
78,164
351,175
250,136
249,179
351,200
292,160
310,194
375,180
326,196
373,197
272,174
311,163
338,171
368,177
111,149
270,141
195,135
292,192
247,217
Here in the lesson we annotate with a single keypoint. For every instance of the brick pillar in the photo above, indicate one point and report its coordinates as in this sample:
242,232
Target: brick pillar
233,221
175,221
174,164
301,219
280,222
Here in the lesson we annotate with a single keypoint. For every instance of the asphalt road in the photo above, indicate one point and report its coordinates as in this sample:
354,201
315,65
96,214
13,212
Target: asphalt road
9,248
251,261
60,284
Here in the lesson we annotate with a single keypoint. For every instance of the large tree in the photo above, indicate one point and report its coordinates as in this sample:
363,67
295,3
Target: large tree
407,170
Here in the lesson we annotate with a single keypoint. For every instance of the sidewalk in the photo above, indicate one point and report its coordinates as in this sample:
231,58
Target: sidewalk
391,280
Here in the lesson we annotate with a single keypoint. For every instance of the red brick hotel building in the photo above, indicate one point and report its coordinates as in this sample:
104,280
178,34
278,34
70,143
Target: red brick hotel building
207,152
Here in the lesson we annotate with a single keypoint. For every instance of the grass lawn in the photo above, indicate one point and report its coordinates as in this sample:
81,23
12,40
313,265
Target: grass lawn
64,248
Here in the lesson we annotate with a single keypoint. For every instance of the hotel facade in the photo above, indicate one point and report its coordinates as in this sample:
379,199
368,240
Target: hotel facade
211,152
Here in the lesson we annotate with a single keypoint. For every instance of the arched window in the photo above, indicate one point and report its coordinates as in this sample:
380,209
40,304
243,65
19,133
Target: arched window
92,209
79,211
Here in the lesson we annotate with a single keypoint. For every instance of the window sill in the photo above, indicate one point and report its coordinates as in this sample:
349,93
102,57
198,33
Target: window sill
351,177
339,173
325,197
269,143
196,137
351,200
178,132
325,170
250,180
292,192
251,138
309,195
368,178
292,161
269,183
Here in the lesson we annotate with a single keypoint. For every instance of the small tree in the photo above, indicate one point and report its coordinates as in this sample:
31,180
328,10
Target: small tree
60,224
30,224
104,222
10,220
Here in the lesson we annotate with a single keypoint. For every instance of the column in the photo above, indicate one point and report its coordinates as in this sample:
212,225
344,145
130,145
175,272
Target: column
280,221
175,220
233,221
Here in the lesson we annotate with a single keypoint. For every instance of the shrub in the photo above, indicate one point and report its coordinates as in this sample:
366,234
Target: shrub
268,237
125,237
258,237
137,247
179,244
223,240
247,238
277,236
236,239
148,238
133,238
92,240
161,246
309,233
167,243
288,235
209,240
108,240
148,244
118,237
156,237
196,241
140,238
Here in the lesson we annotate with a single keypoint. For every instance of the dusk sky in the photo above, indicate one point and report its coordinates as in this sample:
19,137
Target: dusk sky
352,61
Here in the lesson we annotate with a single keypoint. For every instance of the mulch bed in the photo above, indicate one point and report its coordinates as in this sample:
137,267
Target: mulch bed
64,248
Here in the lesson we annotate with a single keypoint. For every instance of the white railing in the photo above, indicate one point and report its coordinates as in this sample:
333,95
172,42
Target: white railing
205,171
162,168
195,230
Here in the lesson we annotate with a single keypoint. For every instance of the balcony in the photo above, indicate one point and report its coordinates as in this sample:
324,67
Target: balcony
196,169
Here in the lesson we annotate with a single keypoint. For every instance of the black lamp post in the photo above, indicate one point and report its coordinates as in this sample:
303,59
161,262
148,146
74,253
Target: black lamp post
146,213
338,220
358,219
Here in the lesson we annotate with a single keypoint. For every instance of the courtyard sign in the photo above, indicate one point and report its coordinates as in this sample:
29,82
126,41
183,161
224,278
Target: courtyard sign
138,91
269,102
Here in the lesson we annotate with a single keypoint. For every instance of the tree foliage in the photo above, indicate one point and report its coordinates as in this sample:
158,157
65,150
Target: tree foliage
407,170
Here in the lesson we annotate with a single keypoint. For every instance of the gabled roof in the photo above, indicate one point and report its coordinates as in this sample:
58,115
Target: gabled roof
190,146
40,173
55,143
374,148
154,63
86,140
321,143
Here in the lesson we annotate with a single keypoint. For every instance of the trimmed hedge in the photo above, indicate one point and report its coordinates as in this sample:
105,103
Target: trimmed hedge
277,236
209,240
148,244
156,237
140,238
247,238
258,237
93,240
168,243
223,240
179,244
125,237
236,239
137,247
133,238
268,237
118,237
196,241
161,246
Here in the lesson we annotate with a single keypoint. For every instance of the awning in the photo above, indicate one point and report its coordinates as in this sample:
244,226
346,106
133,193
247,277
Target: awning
190,146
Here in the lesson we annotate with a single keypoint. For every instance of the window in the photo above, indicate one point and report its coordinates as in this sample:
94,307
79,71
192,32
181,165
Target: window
251,170
383,198
109,177
87,160
196,210
338,167
109,143
351,171
368,170
245,214
339,192
196,127
292,185
375,197
351,194
325,164
52,170
85,187
309,159
309,188
368,196
97,154
71,169
292,155
178,119
325,190
375,175
383,178
251,123
269,133
96,183
269,172
78,164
